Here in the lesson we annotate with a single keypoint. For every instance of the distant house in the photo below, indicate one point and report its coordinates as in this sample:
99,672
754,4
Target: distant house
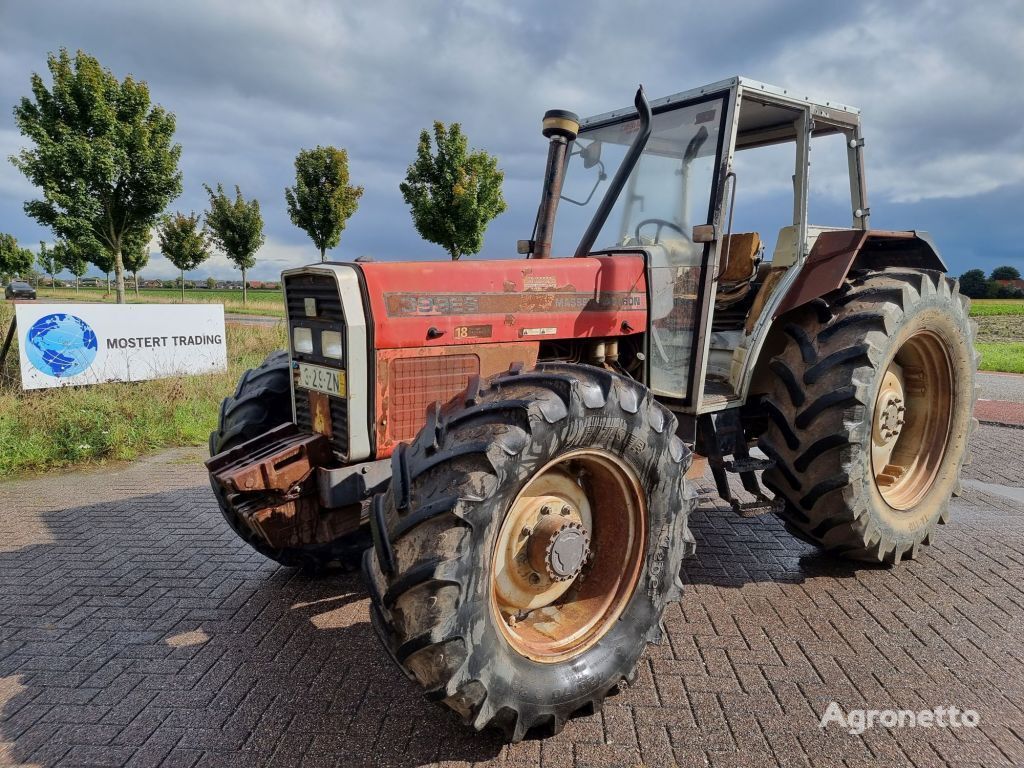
1017,283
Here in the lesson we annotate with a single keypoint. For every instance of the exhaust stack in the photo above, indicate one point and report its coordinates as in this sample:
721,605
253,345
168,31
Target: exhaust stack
560,127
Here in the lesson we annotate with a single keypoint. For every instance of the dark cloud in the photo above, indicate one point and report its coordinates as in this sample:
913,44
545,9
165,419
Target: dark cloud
251,83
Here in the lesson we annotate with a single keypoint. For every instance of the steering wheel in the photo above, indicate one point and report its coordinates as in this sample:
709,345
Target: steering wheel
662,224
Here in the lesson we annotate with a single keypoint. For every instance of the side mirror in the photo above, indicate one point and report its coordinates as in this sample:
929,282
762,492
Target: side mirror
591,154
704,233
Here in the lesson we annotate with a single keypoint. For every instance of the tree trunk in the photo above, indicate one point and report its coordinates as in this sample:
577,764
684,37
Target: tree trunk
183,286
108,283
245,296
77,279
136,275
119,275
323,255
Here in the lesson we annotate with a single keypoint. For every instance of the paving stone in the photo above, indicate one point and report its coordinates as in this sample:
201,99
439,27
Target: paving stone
136,629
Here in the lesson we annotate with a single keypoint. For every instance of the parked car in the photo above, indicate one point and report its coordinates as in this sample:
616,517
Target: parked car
19,289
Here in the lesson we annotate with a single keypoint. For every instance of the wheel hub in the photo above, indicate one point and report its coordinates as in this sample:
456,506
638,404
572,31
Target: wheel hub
549,547
890,419
911,419
568,555
558,547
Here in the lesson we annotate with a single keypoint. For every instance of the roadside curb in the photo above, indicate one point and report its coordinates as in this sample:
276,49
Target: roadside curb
1000,413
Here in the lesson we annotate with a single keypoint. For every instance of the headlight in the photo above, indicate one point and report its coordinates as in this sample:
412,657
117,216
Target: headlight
330,344
302,340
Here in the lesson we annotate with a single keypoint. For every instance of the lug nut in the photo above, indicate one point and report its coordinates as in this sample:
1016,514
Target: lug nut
545,510
565,511
526,531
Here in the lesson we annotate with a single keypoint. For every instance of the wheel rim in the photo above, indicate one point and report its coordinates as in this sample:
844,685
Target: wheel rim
568,555
911,420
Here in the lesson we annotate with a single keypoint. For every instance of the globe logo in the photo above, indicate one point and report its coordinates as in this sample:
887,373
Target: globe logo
61,345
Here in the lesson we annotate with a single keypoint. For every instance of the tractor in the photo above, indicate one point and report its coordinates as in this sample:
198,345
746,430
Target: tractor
510,446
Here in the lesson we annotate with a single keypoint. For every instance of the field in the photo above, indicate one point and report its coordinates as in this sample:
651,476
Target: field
261,302
1000,334
990,307
48,429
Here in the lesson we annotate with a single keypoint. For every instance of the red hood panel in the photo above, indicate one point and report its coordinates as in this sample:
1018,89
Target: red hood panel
440,303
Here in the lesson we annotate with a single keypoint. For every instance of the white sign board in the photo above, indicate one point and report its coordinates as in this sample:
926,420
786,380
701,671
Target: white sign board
73,344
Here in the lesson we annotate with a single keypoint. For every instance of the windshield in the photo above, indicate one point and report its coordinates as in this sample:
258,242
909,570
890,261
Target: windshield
668,191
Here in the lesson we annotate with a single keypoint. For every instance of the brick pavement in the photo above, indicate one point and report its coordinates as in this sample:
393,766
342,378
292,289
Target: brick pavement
135,629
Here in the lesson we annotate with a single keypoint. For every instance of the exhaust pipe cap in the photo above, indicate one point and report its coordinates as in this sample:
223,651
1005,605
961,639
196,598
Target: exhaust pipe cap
561,122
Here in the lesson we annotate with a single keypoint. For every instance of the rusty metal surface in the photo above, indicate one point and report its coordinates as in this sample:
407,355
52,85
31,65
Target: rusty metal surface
270,483
319,410
556,619
406,397
825,269
553,176
834,254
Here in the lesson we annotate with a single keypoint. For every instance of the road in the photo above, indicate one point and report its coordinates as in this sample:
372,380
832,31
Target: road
136,629
1001,398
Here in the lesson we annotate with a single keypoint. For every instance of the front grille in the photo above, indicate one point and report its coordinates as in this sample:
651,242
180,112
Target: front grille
416,382
323,288
329,316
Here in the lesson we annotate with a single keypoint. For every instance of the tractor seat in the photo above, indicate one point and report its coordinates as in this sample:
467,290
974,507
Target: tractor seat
740,256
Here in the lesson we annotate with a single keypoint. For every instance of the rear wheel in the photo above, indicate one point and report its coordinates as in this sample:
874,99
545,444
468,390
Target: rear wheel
262,401
530,541
870,411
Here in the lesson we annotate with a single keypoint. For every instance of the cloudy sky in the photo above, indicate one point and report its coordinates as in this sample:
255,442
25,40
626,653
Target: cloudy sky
939,84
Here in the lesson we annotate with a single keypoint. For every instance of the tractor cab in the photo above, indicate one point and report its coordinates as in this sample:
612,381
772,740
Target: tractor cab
713,289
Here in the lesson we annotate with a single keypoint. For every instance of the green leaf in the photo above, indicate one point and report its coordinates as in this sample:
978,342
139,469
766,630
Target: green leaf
453,193
322,200
104,158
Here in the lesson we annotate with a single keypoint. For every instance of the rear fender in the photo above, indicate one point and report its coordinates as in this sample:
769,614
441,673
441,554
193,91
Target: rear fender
836,252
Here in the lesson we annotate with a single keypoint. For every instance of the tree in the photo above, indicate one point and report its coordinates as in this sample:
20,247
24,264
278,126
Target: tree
15,261
974,284
47,261
211,283
322,200
72,259
135,253
236,228
98,256
104,158
1005,272
453,193
184,243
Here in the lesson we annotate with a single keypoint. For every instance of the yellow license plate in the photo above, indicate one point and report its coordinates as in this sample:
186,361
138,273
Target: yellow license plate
320,379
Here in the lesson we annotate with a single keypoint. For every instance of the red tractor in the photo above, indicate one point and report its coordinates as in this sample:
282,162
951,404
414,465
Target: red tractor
509,440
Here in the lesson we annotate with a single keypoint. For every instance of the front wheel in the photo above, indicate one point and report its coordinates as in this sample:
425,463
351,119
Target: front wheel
529,543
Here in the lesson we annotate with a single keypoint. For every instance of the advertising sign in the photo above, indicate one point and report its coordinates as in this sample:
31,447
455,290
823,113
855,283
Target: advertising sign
74,344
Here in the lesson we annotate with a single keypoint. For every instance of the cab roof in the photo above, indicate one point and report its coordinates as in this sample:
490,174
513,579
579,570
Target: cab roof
767,113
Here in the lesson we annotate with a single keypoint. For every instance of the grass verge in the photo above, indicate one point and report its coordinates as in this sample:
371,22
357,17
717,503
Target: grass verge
1004,357
47,429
